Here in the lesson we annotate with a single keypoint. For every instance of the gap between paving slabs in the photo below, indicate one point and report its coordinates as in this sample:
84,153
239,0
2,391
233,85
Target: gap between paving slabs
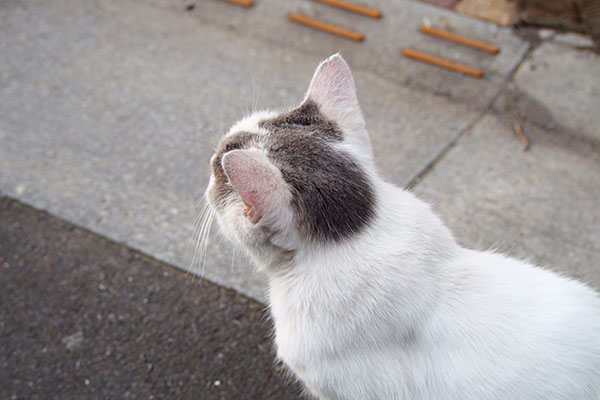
462,69
384,41
144,201
440,155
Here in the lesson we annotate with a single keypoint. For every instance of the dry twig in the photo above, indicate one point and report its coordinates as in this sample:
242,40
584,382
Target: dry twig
519,131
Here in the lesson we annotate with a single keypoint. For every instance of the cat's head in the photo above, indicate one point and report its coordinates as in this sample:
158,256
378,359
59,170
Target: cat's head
304,177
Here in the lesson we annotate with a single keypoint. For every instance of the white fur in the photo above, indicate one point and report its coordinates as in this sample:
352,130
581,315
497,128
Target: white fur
401,311
250,123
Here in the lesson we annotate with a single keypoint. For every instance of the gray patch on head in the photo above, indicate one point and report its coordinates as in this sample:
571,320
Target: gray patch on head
306,119
332,197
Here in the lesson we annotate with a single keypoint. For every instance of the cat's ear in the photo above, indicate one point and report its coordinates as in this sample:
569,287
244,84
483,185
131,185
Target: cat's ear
258,182
332,89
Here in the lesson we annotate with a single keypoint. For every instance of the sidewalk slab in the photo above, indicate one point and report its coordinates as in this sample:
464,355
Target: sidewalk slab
114,131
380,53
565,81
540,205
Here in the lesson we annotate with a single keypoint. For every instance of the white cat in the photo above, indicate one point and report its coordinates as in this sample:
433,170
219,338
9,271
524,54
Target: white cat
371,296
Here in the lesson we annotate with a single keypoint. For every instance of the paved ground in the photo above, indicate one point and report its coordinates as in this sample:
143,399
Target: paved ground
82,317
118,105
109,113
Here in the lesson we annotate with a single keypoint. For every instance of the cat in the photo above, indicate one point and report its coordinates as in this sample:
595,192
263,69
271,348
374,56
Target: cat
370,294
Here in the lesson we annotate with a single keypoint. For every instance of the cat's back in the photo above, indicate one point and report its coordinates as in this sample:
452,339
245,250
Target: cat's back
532,333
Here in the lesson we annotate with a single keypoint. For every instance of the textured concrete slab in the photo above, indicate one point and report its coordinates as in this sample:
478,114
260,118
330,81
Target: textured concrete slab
540,205
114,130
567,83
384,40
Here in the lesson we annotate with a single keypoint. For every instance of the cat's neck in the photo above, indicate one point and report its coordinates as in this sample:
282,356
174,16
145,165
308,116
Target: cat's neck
404,232
400,263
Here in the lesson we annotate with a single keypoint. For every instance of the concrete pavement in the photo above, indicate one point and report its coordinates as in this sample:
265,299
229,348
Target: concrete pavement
110,111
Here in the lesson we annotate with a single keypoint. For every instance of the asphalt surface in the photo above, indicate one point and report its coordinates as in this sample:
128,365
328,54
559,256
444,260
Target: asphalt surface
82,317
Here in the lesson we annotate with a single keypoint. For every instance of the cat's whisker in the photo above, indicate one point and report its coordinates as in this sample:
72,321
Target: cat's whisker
190,243
257,97
200,203
210,220
200,248
201,245
253,93
203,239
198,230
246,101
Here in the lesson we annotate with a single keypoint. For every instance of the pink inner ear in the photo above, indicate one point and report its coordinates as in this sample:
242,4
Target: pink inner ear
255,179
332,85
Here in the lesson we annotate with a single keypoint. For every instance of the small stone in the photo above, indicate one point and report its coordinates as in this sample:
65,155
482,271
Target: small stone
217,383
87,381
574,39
73,341
545,33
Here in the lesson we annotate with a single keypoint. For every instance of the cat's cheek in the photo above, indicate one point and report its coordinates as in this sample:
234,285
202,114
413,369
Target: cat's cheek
245,214
233,225
240,219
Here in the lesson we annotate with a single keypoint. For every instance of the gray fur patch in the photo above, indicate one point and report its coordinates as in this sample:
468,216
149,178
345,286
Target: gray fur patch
332,197
306,119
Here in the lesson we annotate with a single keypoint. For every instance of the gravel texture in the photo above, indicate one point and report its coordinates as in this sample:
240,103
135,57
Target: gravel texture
84,317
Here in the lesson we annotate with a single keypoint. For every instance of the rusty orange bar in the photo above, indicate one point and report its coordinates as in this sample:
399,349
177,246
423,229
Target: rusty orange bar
476,44
353,7
442,62
324,26
243,3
